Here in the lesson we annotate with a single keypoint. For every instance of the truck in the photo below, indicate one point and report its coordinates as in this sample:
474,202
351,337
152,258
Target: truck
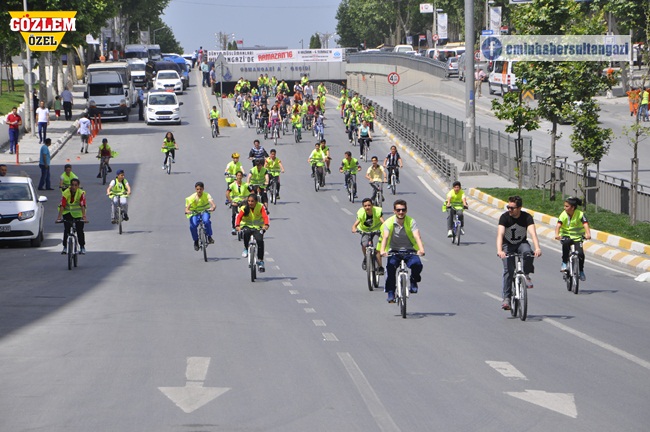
136,51
106,95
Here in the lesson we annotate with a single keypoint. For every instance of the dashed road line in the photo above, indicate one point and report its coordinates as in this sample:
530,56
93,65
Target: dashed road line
287,283
302,301
347,212
294,292
334,198
310,310
319,323
330,337
457,279
506,369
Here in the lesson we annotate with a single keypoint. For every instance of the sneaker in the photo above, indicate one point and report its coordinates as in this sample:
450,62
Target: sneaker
196,245
450,234
414,288
109,169
99,175
113,221
64,251
506,304
563,267
391,297
164,166
363,264
126,217
312,175
529,282
328,171
462,231
245,253
233,232
260,266
583,277
380,271
82,251
210,240
277,196
397,181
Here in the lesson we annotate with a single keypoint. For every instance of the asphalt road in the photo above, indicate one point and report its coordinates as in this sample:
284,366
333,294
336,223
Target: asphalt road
145,336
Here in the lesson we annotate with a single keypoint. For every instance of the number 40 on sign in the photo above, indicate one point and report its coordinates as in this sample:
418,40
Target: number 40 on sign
393,78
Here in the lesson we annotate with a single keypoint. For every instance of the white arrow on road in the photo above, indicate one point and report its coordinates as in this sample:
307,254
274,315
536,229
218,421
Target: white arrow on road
193,396
563,403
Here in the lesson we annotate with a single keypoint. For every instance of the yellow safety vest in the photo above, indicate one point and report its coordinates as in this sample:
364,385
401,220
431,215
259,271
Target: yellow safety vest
408,226
73,206
254,218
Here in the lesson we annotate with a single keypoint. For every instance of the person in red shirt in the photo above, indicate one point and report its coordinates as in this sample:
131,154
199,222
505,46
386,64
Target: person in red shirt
14,121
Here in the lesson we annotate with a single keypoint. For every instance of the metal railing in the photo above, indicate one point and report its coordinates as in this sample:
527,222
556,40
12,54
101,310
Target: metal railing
419,63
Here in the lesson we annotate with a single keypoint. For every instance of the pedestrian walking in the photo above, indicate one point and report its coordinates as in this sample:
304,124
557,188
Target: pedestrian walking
57,106
43,119
67,99
14,121
84,131
479,76
141,103
44,164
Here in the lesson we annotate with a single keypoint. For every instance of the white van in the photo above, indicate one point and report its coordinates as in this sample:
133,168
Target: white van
502,77
124,69
402,49
442,53
138,74
106,95
136,51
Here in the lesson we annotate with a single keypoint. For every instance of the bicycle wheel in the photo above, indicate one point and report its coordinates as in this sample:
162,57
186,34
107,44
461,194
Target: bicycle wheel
203,242
316,180
515,298
71,252
104,173
169,165
575,266
252,250
453,234
370,270
74,259
393,184
119,219
295,135
458,234
523,299
350,190
214,131
403,293
375,274
566,275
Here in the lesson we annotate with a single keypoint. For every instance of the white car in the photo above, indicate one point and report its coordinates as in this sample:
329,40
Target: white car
168,80
162,107
21,210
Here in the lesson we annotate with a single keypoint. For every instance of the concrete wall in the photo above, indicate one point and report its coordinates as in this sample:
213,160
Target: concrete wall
290,72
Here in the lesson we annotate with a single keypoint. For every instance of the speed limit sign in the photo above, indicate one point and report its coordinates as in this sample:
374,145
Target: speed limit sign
393,78
477,55
434,37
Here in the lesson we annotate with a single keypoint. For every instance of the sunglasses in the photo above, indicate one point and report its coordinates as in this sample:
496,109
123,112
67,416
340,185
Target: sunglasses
510,208
400,210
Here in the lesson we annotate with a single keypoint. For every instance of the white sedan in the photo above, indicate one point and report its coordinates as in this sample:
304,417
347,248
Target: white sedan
21,210
168,80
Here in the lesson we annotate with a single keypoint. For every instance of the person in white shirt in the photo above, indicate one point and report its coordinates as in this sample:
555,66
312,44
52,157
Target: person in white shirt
479,76
84,131
43,119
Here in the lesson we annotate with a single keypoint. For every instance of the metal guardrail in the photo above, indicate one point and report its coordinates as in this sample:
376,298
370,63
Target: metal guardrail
419,63
424,147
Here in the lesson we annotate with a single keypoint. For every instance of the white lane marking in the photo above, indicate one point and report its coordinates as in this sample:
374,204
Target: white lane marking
346,211
619,352
335,198
302,301
368,394
287,283
506,369
563,403
294,292
330,337
269,259
310,310
197,368
495,297
319,323
457,279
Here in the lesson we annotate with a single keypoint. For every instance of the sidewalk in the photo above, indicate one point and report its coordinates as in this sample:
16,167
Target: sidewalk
59,131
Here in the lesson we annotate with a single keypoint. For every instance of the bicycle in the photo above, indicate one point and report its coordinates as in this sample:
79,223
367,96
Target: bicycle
285,125
379,193
120,214
364,142
572,273
272,191
519,290
402,278
252,253
371,260
456,228
103,168
275,133
297,134
353,134
392,180
170,161
266,129
351,185
202,235
319,176
72,246
215,127
319,131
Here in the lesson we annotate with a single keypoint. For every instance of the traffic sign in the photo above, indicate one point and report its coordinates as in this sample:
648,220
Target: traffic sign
435,37
393,78
477,55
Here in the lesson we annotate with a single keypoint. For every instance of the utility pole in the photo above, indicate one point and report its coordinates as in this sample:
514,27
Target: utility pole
470,108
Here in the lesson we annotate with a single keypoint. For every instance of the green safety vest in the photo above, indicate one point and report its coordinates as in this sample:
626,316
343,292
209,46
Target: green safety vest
572,227
317,157
376,223
169,144
232,169
73,206
118,188
273,166
214,114
67,179
197,204
254,218
238,193
258,177
456,199
350,165
408,226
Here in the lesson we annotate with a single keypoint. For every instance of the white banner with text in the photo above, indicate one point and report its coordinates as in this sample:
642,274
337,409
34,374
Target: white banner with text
279,56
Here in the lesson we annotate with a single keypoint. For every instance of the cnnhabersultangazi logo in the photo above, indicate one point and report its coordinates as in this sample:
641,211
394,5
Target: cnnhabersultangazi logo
42,30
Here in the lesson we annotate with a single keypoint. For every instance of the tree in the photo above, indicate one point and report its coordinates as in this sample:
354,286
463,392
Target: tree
314,42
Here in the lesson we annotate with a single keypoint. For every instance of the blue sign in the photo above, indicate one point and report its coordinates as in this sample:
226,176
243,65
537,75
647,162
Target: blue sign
487,32
491,48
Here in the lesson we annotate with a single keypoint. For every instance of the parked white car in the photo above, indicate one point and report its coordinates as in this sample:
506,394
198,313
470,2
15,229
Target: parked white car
162,107
168,80
21,210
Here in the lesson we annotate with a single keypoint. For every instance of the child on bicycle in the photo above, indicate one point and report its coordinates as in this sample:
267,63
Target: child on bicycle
198,206
213,116
104,154
274,167
119,190
233,168
456,202
169,147
296,122
572,226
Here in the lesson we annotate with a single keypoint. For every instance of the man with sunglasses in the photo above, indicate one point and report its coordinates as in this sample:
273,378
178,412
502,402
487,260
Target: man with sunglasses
400,234
514,228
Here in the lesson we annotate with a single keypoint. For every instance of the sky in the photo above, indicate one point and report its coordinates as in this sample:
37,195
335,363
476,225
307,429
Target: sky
256,22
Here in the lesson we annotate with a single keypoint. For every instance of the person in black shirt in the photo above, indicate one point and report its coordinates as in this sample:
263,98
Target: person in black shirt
257,152
514,228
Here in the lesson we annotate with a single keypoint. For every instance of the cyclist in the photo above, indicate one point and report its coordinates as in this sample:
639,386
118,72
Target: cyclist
274,119
199,205
369,115
251,219
257,152
572,226
73,210
369,220
273,83
213,116
247,109
236,195
283,87
239,100
274,167
296,123
326,151
118,191
351,122
233,168
322,90
66,177
514,228
456,202
258,179
376,176
349,167
319,125
308,90
316,159
169,146
393,162
400,233
284,112
104,153
363,136
264,116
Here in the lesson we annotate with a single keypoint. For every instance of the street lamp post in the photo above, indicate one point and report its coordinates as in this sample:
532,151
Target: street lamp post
487,12
435,23
154,33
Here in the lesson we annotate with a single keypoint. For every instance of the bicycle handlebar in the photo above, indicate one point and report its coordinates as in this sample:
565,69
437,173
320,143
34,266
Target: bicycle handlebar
73,220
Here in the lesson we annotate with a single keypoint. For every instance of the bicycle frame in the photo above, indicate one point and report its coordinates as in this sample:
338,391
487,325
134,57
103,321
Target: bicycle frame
519,289
402,278
572,274
371,260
